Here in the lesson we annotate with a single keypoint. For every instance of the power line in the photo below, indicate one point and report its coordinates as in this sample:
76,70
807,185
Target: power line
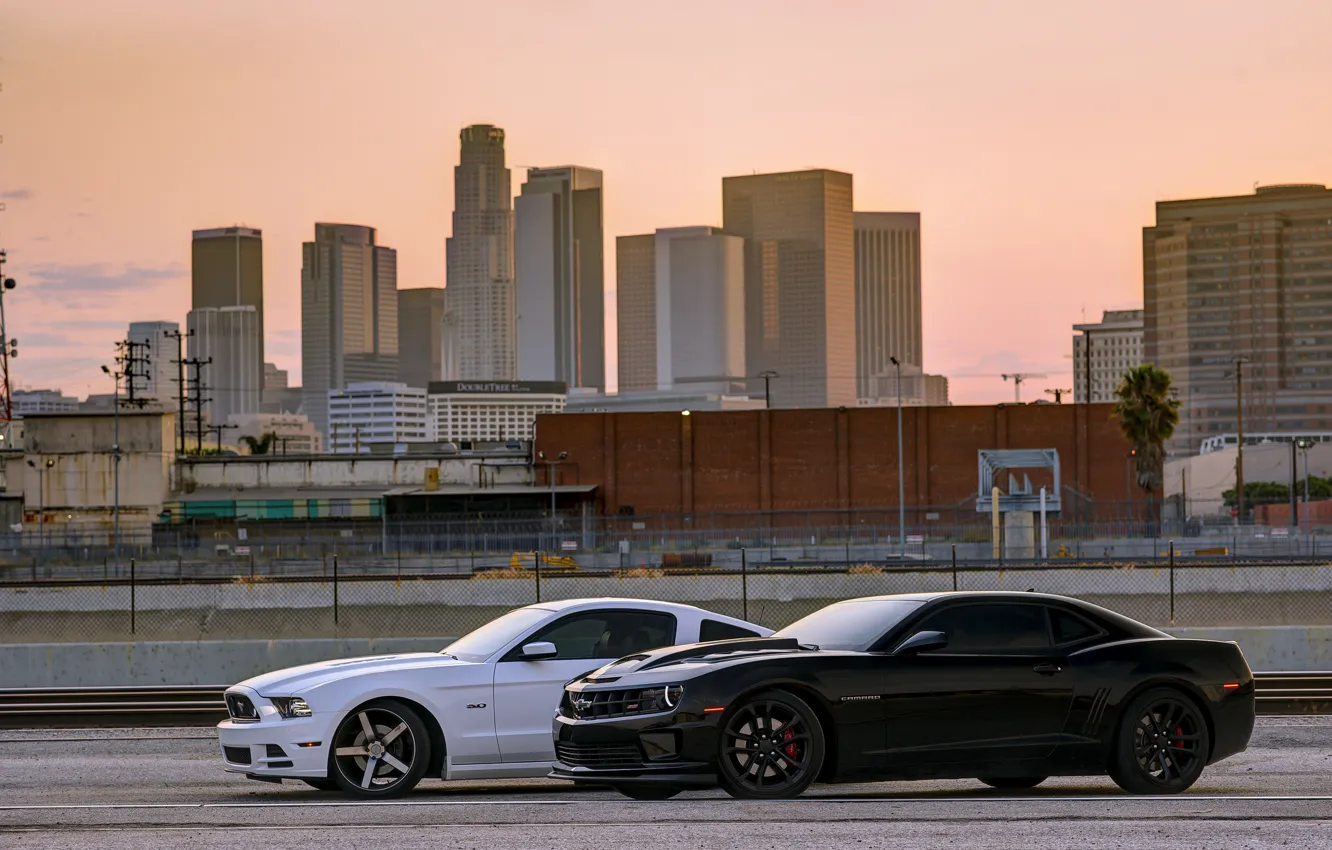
180,382
197,399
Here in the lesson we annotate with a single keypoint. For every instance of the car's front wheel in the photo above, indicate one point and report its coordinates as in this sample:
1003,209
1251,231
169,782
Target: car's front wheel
770,747
1161,745
380,750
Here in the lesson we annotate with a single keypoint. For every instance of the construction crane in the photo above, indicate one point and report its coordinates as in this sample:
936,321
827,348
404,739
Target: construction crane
1058,394
1018,378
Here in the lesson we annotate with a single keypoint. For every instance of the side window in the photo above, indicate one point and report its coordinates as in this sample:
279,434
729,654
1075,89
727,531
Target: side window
713,630
1070,628
604,634
990,629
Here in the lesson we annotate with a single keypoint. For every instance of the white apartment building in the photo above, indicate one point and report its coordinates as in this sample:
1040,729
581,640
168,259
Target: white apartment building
295,433
156,378
376,412
491,410
1116,347
33,402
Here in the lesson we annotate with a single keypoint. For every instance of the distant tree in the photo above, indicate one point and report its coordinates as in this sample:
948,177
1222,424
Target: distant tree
1147,417
261,446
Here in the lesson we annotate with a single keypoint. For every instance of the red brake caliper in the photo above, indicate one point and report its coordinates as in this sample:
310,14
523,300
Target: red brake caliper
1179,741
789,749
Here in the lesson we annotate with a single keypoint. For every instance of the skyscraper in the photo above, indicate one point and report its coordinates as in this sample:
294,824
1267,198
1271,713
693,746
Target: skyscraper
888,313
799,282
229,336
560,274
349,314
227,270
480,257
681,310
420,336
1247,276
158,379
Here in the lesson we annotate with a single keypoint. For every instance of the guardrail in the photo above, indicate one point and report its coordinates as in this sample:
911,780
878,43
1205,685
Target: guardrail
202,705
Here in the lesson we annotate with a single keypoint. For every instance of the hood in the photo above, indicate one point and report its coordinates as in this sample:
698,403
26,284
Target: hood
295,680
685,661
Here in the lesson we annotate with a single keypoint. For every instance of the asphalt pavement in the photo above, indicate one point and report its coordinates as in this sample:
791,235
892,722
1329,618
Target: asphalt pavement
166,788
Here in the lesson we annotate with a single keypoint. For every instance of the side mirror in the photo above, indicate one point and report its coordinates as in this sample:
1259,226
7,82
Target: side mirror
922,642
537,651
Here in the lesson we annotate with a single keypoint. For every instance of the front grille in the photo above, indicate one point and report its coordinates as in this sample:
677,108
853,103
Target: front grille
595,705
240,707
599,755
236,755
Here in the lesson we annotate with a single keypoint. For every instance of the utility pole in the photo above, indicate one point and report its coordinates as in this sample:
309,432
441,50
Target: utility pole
198,399
1058,395
217,430
767,377
8,350
1239,446
901,471
132,355
180,383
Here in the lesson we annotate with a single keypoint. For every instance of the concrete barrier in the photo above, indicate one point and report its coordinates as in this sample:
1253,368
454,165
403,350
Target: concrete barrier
61,665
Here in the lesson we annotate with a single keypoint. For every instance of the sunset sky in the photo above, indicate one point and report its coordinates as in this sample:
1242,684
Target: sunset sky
1033,138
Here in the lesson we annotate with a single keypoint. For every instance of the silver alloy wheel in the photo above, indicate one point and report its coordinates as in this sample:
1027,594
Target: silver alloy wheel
374,749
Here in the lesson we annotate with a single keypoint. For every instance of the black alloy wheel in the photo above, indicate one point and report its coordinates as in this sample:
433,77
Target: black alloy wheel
1013,783
770,747
380,750
1162,744
648,792
329,784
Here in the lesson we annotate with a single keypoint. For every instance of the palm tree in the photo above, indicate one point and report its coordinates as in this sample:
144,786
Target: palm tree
261,446
1147,417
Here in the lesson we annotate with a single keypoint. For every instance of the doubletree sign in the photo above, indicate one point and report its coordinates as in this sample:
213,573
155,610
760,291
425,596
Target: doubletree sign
497,387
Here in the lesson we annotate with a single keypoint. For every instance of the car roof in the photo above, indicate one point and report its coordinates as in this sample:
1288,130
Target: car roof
624,602
968,594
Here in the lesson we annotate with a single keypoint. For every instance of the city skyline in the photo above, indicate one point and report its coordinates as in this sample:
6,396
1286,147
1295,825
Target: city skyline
1027,230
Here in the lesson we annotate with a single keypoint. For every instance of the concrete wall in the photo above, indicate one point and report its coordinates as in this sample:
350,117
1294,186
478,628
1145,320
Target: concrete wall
827,459
1203,478
69,665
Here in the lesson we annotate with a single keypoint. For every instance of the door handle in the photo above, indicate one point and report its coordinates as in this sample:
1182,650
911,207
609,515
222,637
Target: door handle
1047,669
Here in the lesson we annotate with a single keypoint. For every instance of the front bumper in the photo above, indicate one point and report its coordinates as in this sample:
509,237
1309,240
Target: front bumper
665,749
272,747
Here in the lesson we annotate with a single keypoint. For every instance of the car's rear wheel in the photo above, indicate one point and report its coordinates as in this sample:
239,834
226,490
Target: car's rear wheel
771,747
648,792
380,750
1161,745
1013,783
322,784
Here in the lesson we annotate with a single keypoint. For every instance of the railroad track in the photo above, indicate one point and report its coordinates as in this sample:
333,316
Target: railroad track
202,705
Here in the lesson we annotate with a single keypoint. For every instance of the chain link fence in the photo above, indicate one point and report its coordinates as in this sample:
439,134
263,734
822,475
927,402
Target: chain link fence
351,594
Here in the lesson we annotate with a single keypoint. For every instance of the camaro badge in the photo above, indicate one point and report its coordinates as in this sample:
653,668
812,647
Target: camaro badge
859,699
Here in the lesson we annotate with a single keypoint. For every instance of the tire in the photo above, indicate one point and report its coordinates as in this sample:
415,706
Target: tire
380,750
1013,783
1161,743
770,747
322,784
648,792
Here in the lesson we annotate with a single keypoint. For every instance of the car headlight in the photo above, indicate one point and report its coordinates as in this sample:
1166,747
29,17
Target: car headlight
663,698
290,707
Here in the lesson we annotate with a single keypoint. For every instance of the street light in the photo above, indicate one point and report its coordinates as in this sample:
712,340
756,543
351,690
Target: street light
41,502
767,376
901,474
1304,445
115,453
550,476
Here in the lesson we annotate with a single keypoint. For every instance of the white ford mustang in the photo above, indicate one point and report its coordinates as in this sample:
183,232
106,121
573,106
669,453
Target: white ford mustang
480,709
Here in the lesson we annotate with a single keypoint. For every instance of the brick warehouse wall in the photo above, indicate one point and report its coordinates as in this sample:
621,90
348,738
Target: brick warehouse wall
824,459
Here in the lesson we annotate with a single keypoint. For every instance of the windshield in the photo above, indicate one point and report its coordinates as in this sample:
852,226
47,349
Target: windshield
853,625
484,642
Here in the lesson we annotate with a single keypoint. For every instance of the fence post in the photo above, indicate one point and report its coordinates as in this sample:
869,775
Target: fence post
1172,582
536,565
954,566
848,546
744,584
133,601
335,588
251,566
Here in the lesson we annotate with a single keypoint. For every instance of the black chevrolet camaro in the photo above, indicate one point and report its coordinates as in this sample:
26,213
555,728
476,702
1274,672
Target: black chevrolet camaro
1007,688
